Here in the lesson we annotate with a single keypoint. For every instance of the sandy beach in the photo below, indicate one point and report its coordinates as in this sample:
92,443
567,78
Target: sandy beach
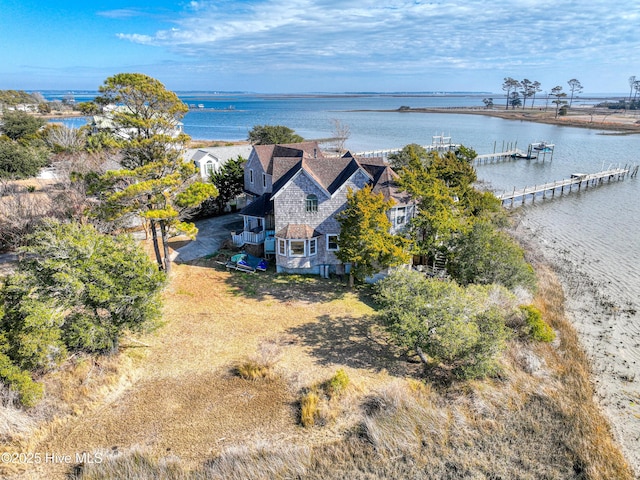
583,117
609,329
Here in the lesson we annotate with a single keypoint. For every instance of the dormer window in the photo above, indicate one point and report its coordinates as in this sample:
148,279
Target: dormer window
312,204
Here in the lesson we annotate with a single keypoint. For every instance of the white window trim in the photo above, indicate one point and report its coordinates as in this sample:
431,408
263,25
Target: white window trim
306,242
304,245
403,216
336,242
251,175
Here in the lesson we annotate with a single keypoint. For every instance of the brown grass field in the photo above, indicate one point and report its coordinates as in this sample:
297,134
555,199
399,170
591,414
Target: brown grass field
172,404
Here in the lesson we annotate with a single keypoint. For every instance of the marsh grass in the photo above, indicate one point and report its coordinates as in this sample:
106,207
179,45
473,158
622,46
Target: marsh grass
528,423
309,409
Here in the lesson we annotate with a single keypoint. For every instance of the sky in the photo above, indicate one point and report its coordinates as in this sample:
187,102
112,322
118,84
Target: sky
304,46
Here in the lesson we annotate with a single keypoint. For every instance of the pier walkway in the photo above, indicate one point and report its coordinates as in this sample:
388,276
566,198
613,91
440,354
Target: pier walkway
577,180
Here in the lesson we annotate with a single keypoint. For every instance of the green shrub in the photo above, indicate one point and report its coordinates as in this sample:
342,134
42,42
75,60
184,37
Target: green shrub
538,329
29,392
336,384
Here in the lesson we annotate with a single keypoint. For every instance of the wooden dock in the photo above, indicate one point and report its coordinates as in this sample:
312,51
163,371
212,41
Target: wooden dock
577,181
535,151
505,156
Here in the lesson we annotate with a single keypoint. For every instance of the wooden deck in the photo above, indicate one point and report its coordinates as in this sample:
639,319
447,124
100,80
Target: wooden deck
577,181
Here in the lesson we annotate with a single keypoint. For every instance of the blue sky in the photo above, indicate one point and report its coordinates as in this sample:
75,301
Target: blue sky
291,46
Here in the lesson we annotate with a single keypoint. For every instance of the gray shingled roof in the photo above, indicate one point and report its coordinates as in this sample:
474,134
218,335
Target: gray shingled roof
267,153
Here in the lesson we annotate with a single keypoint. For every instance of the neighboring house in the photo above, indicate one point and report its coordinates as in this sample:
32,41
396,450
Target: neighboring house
104,122
210,159
297,193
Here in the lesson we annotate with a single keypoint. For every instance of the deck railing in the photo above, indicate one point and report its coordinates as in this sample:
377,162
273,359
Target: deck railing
252,238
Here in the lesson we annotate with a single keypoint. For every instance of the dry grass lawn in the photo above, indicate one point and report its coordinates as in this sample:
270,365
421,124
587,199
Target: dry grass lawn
178,410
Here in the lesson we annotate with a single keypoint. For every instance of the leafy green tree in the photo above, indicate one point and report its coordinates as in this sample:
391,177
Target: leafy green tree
88,108
18,380
272,134
18,125
514,100
20,161
365,241
485,255
75,290
409,153
44,108
438,217
229,181
157,185
456,328
488,102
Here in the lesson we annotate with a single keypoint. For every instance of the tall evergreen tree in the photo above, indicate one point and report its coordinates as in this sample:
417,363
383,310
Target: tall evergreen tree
157,185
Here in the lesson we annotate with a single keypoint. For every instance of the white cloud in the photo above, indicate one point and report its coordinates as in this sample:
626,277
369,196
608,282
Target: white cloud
402,36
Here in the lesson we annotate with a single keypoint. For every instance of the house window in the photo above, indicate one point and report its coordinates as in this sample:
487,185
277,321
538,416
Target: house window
264,180
313,247
332,242
282,247
401,215
312,203
250,175
296,248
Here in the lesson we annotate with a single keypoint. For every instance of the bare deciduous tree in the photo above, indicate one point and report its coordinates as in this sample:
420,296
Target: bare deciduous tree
341,133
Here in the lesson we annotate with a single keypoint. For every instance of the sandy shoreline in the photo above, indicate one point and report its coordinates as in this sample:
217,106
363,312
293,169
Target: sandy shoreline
609,330
581,117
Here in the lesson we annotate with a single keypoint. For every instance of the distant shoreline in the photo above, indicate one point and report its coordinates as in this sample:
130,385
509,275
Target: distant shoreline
593,118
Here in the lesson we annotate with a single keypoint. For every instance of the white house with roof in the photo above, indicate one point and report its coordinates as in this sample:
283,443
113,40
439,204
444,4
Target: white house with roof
105,122
211,159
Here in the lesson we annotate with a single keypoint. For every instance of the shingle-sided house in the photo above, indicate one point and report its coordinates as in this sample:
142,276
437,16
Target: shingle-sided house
297,193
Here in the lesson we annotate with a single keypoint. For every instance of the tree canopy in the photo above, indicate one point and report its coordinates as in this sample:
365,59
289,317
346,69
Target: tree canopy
459,329
147,114
272,134
17,124
365,241
456,221
157,185
229,181
15,97
75,290
20,161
